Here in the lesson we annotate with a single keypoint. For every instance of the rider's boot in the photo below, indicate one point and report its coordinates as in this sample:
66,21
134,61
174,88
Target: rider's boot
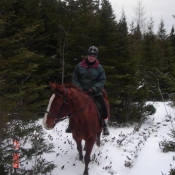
105,127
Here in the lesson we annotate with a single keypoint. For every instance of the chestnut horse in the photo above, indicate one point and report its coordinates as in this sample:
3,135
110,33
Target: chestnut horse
69,100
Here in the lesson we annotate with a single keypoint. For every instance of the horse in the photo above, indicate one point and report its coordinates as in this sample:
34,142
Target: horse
70,101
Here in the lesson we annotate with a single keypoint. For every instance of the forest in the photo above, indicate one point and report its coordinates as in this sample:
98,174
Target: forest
43,40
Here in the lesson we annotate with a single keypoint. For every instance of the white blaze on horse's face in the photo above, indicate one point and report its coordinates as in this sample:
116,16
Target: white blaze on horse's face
46,114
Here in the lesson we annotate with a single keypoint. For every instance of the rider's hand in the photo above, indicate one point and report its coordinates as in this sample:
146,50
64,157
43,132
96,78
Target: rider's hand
90,92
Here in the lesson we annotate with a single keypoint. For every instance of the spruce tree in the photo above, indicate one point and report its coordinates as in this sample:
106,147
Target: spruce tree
165,59
149,62
32,145
172,75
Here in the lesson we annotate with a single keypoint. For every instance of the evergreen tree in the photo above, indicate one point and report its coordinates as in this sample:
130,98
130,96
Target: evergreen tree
106,34
131,93
171,57
32,145
150,26
149,63
165,59
25,67
172,38
161,34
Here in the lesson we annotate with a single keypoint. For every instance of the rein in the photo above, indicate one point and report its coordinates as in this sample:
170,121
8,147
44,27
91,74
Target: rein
81,110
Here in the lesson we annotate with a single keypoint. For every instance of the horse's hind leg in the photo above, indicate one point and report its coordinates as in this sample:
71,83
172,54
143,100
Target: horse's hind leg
79,148
89,146
98,138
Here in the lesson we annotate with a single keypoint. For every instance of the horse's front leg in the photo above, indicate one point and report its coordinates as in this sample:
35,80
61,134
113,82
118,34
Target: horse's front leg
89,146
79,148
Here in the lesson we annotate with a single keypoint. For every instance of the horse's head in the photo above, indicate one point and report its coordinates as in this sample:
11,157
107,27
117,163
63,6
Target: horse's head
57,107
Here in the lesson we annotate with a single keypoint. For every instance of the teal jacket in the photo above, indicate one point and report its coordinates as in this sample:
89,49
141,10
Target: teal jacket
86,77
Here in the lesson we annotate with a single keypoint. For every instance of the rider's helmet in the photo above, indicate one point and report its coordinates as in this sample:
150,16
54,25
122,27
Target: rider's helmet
93,50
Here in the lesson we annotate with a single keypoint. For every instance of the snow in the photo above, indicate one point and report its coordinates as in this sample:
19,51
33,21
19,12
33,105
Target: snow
127,151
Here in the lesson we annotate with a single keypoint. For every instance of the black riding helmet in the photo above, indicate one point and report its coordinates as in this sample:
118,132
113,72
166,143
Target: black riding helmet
93,50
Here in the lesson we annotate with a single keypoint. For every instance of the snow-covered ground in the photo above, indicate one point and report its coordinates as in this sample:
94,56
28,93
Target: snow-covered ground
127,151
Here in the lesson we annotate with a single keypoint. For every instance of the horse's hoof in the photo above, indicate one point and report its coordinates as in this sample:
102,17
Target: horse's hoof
98,144
81,158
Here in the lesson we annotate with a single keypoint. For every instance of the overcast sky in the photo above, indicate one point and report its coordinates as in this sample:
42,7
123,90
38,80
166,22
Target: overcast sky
158,9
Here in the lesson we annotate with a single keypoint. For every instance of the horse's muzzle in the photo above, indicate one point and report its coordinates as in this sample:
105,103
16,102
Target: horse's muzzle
46,125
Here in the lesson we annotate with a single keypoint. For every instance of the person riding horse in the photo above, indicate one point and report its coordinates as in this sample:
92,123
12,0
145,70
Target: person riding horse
90,76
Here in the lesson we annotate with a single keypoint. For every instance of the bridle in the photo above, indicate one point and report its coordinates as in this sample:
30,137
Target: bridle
64,103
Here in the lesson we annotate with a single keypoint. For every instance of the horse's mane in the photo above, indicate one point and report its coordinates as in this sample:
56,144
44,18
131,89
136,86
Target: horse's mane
71,85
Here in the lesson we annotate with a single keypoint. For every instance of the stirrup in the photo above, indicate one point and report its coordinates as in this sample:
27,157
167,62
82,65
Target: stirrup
68,130
105,131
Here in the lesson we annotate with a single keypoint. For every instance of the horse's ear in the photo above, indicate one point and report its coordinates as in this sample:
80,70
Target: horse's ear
53,86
